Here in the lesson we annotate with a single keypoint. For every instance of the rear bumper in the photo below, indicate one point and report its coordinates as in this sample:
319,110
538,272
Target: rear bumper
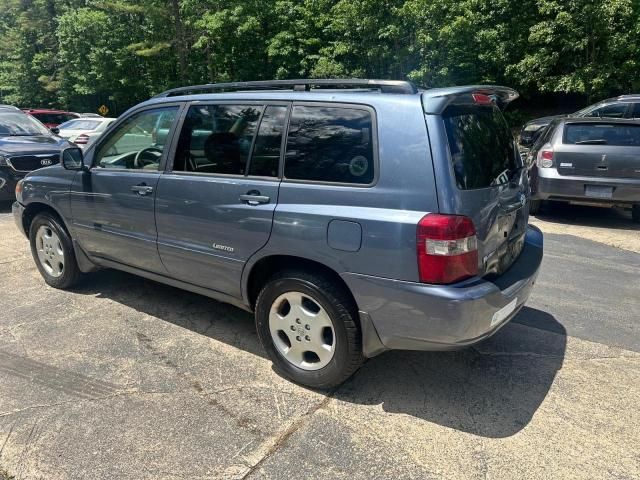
415,316
548,184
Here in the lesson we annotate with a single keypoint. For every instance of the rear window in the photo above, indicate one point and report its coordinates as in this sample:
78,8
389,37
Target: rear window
602,134
80,125
56,118
482,147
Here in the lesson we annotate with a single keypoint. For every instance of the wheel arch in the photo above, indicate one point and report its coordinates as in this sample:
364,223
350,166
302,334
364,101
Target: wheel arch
32,209
260,271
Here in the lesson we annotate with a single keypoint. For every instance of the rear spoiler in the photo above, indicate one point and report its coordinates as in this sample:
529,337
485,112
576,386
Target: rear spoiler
436,100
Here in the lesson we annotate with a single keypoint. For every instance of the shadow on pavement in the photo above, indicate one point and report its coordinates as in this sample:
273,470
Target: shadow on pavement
600,217
490,390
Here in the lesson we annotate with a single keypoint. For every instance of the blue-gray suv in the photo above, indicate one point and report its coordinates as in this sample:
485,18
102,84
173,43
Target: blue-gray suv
351,216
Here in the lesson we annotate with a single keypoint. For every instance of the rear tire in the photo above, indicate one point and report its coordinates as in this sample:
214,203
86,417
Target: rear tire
52,250
635,213
534,206
300,313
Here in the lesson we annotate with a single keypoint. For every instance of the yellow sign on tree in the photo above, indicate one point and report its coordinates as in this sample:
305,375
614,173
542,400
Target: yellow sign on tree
103,110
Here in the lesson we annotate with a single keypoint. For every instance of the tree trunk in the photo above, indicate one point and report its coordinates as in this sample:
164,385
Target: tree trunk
181,47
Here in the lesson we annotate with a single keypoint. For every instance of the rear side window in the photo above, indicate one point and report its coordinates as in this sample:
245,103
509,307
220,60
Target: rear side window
216,139
266,150
330,144
482,147
636,110
622,135
615,110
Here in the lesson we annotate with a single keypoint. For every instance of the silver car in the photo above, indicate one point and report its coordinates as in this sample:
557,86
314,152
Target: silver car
587,161
82,131
350,216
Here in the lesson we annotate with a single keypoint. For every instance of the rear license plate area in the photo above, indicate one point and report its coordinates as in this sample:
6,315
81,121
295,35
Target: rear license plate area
597,191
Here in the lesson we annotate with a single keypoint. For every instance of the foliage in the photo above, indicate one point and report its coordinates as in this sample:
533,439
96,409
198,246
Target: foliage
79,53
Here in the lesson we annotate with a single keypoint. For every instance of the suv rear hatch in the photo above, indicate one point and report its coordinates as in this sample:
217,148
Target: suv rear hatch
599,149
479,173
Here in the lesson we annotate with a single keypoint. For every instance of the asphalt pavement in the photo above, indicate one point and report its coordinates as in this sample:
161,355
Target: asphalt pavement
130,379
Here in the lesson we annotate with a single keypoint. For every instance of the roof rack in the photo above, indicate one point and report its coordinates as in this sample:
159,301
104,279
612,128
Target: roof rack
10,107
301,85
631,96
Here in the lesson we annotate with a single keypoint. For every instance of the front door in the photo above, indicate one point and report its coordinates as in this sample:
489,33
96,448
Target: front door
113,204
215,205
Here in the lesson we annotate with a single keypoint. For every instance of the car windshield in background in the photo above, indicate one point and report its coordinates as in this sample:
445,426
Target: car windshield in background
17,123
80,125
602,134
482,148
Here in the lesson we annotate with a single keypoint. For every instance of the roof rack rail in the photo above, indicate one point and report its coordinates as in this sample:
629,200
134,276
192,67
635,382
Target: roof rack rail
302,85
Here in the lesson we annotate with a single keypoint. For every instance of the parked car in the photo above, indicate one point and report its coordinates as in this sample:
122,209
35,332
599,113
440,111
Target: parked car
590,161
81,131
51,118
25,145
351,216
624,106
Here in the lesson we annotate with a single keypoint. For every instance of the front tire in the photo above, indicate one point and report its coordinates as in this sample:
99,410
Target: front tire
308,325
52,250
635,213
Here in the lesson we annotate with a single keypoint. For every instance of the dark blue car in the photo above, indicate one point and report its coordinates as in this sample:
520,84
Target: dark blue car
25,145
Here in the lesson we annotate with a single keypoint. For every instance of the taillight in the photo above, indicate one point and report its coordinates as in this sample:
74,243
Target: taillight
545,156
447,248
482,98
82,139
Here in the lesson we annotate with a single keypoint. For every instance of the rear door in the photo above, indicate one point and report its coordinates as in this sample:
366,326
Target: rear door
479,175
599,149
215,203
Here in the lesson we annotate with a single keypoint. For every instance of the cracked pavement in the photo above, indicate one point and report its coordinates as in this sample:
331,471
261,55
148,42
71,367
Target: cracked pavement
126,378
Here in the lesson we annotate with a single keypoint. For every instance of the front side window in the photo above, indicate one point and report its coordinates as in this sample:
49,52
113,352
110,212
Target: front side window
330,144
216,139
135,144
614,110
636,110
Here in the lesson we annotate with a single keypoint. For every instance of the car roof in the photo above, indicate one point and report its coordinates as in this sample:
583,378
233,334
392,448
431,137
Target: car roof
622,121
10,107
46,110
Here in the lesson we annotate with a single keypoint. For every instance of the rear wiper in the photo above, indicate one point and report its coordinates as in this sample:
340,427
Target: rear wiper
599,141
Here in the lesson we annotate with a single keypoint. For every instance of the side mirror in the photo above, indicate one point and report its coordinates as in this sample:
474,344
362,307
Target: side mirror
55,130
72,158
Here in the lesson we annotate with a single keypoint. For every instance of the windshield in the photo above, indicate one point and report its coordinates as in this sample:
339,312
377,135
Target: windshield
18,123
482,147
80,125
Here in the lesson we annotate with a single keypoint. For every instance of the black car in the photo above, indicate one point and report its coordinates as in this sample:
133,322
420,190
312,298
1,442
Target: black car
25,145
624,106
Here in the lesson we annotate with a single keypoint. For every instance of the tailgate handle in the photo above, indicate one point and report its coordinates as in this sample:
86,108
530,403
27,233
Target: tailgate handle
602,167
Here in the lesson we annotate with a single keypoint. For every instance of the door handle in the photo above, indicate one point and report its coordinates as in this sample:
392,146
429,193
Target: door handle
254,198
142,189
